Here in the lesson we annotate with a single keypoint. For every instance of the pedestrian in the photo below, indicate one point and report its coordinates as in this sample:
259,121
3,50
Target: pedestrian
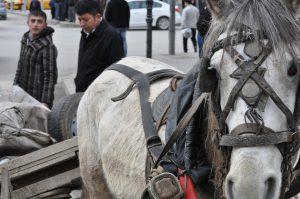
71,10
37,70
203,26
52,6
117,13
59,10
34,5
65,10
100,44
190,15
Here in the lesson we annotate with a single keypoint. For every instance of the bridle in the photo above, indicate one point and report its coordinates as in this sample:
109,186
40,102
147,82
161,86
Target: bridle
248,70
253,132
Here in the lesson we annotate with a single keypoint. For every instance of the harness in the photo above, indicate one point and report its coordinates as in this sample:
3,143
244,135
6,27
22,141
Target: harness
252,133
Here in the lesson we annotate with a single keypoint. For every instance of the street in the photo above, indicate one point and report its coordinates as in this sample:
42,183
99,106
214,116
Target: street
67,41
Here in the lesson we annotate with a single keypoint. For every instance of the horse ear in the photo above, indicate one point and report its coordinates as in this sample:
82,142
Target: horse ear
216,7
294,5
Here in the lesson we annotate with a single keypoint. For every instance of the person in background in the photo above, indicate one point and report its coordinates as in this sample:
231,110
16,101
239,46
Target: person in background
100,44
37,70
202,25
117,13
71,10
190,15
52,6
34,5
59,10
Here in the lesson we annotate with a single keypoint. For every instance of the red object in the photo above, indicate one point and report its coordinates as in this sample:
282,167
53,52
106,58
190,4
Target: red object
177,9
188,187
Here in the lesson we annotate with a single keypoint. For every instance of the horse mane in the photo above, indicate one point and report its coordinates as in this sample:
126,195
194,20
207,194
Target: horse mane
272,18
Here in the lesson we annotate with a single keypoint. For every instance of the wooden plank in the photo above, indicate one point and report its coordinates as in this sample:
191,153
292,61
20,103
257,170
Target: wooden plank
36,168
6,188
40,154
63,179
54,194
45,162
42,158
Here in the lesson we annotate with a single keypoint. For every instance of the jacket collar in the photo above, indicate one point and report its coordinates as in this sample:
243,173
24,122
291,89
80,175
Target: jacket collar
44,39
98,31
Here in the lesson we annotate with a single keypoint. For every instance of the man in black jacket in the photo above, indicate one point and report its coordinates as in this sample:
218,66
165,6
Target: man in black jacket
117,13
100,44
37,70
202,25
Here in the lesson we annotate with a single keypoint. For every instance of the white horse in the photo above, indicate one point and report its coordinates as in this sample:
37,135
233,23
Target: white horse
112,148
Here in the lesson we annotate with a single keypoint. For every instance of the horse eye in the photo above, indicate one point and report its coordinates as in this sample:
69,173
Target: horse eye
292,71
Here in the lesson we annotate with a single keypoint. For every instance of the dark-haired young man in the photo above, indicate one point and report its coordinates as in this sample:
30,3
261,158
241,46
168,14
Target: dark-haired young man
37,70
100,44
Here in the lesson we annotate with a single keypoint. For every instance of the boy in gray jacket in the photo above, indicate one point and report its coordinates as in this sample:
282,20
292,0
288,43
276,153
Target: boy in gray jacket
37,70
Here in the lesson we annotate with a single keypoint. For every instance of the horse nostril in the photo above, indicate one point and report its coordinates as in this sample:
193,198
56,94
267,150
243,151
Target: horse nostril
229,188
270,187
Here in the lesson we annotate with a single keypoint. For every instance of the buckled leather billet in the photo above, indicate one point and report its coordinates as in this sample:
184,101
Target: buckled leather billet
165,186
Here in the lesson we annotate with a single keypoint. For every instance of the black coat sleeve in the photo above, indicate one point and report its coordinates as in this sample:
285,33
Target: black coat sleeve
116,49
128,13
108,13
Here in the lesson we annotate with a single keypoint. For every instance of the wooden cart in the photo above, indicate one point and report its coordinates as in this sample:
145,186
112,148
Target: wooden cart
50,172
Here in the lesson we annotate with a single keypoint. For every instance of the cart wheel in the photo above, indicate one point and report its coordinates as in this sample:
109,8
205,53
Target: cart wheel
62,118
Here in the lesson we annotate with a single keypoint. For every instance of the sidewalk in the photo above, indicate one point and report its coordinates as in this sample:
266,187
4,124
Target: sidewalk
181,61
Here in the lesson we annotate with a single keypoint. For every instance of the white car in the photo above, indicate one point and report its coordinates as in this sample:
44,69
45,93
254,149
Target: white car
160,14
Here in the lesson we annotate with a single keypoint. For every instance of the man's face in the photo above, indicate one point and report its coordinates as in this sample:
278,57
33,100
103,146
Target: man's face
36,25
88,22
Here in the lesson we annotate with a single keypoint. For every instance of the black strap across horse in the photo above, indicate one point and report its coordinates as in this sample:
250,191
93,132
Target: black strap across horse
142,81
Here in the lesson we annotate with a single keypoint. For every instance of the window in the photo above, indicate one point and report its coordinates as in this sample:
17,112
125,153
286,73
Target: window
143,4
156,5
134,4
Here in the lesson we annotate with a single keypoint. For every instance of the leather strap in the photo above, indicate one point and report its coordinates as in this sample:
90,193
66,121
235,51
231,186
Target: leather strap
260,81
152,77
153,141
252,128
182,125
256,140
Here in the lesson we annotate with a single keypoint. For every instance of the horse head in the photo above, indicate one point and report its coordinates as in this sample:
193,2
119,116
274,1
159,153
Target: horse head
253,47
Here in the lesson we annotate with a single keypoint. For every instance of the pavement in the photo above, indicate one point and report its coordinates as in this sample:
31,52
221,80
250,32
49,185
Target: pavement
65,86
183,62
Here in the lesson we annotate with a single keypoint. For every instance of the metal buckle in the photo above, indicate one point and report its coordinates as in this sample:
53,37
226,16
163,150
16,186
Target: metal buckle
166,186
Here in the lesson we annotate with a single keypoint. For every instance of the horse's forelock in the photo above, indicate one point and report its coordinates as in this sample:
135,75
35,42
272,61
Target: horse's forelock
271,17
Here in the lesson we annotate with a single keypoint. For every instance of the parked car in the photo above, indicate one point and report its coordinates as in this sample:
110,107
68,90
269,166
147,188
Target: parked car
3,12
17,4
160,12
